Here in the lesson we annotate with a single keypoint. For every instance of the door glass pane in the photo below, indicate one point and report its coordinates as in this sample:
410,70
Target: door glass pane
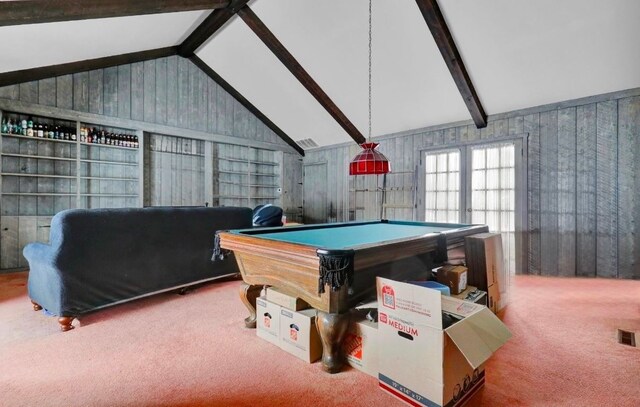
493,194
442,186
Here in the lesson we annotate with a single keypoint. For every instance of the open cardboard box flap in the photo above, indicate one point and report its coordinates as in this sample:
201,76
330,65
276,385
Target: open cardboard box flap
481,334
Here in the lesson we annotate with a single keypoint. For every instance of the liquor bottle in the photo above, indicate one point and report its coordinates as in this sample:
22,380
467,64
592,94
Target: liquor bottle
24,127
103,137
72,134
135,142
9,126
30,128
40,131
5,128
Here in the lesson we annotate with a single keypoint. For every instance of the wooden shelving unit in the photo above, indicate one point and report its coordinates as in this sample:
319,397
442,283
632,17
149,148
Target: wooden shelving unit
41,176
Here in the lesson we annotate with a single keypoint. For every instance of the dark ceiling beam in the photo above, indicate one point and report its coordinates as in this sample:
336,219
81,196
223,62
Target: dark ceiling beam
48,11
34,74
244,102
208,27
270,40
441,34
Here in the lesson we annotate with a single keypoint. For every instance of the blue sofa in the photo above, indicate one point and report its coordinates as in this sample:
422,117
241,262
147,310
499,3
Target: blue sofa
102,257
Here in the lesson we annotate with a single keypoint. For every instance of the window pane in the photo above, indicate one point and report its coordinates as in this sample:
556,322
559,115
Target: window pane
477,200
454,161
493,157
477,179
493,179
430,182
430,164
478,159
442,162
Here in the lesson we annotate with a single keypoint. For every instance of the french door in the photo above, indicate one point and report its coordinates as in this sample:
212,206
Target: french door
481,184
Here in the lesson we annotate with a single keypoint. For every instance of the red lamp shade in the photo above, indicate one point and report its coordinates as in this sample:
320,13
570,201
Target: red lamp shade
369,161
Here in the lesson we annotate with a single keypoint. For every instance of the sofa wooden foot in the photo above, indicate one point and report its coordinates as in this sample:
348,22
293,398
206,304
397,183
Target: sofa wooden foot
65,323
36,306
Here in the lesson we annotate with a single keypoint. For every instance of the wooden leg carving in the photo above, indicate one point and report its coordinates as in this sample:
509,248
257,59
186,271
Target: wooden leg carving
36,306
332,329
65,323
248,295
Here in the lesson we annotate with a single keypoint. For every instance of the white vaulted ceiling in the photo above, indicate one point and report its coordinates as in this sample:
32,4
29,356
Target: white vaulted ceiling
519,53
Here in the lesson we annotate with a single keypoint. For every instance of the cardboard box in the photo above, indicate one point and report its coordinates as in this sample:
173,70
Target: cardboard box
268,321
360,344
486,267
483,254
474,295
299,335
284,300
454,277
432,348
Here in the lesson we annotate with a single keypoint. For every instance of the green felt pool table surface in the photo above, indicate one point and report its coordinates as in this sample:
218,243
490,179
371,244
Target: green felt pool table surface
351,234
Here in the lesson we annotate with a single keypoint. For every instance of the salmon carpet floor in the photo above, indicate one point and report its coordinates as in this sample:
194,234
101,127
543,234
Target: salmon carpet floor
192,350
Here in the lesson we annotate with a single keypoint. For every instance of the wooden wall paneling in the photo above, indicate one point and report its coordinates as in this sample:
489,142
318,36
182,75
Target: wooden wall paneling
27,233
532,127
408,160
149,93
64,92
47,92
28,205
9,245
212,110
628,187
45,203
29,92
501,128
200,98
516,125
172,91
124,91
176,190
586,191
606,192
229,113
549,192
137,91
486,132
96,87
183,92
161,91
567,192
221,111
11,92
110,93
81,91
43,227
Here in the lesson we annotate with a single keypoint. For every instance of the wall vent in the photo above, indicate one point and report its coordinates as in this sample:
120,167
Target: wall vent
307,143
626,337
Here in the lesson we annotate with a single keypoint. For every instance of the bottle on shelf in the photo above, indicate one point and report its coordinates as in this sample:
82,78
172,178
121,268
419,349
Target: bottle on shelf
30,128
40,131
72,134
23,125
4,128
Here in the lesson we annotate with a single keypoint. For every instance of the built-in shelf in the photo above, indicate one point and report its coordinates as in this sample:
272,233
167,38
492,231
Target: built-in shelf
261,174
21,174
38,157
83,160
39,193
110,179
20,136
108,145
112,195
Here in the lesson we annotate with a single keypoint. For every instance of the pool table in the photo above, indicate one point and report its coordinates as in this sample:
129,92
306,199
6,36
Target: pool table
333,266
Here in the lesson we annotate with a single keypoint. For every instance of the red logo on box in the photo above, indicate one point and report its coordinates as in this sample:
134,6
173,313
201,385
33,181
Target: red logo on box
388,297
293,332
353,346
382,317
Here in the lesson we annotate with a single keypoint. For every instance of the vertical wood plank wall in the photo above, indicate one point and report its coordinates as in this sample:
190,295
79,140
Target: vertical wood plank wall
583,176
168,91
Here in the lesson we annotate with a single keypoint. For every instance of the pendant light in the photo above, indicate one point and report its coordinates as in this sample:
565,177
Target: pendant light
369,161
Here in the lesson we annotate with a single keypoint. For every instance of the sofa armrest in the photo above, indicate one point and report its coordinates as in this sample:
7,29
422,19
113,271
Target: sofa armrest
45,280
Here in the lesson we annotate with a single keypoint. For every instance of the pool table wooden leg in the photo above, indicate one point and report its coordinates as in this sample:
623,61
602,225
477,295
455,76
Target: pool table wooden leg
248,295
332,329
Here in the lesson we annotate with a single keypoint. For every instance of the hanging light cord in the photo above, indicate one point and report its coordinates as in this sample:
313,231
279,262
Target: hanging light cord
370,1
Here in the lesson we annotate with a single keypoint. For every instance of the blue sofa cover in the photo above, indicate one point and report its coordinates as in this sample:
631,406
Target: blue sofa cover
100,257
